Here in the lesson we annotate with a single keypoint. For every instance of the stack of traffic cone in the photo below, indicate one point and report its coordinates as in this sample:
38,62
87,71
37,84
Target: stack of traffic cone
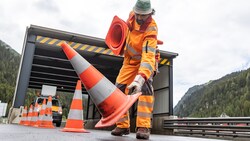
35,115
41,114
109,100
46,121
24,116
30,114
75,122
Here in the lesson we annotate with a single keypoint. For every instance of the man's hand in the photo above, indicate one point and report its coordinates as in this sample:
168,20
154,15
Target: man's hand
137,84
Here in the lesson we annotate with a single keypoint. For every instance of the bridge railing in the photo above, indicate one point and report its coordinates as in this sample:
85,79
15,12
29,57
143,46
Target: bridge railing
220,127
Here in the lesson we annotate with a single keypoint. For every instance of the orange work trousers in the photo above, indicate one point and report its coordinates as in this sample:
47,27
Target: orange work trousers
145,101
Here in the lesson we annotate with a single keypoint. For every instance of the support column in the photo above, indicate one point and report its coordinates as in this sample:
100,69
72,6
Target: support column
24,70
171,87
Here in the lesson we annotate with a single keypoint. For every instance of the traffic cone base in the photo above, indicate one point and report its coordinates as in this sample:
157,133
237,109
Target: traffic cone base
74,126
35,125
114,117
74,130
46,124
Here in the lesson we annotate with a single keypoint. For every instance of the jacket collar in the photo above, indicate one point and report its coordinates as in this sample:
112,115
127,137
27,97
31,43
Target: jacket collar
131,21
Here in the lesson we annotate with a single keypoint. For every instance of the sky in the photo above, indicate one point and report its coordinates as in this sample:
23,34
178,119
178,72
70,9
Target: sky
211,37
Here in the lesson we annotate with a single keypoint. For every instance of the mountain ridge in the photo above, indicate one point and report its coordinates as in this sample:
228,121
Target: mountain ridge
229,94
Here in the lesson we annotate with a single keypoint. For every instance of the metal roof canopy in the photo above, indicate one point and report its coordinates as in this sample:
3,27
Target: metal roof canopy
47,64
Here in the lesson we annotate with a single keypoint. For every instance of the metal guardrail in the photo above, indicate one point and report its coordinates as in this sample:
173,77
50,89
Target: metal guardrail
220,127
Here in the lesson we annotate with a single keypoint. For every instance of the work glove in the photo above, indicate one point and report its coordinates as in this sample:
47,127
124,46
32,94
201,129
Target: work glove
137,84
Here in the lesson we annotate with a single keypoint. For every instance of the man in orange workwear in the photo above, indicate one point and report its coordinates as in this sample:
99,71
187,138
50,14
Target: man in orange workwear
139,67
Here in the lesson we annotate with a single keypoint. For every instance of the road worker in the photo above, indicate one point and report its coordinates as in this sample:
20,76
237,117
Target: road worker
139,67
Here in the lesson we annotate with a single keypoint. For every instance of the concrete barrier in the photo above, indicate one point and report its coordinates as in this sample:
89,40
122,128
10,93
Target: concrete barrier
14,115
3,120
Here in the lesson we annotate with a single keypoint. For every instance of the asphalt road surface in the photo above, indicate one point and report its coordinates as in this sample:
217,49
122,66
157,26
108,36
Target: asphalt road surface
12,132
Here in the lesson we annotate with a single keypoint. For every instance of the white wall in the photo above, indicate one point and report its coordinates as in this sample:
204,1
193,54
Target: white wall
3,107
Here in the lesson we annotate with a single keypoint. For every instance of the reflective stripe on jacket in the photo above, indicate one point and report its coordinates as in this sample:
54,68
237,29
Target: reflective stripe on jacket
140,47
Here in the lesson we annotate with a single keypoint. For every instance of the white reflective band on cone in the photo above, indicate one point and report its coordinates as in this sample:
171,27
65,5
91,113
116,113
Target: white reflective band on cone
78,94
34,119
100,93
49,104
43,107
75,62
75,114
47,118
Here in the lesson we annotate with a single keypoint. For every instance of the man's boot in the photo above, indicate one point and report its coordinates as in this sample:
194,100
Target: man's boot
142,133
120,131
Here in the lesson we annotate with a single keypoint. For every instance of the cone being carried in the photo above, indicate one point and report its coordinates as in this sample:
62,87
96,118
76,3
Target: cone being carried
74,122
109,100
116,35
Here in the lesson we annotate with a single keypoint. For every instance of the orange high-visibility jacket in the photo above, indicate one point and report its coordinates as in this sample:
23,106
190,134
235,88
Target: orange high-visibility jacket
140,47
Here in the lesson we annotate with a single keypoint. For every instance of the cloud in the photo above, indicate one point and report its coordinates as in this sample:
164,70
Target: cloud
46,6
212,41
212,37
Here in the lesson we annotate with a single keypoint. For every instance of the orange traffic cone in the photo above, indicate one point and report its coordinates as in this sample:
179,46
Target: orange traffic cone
35,115
75,122
116,35
30,113
110,101
159,42
46,121
24,116
41,114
